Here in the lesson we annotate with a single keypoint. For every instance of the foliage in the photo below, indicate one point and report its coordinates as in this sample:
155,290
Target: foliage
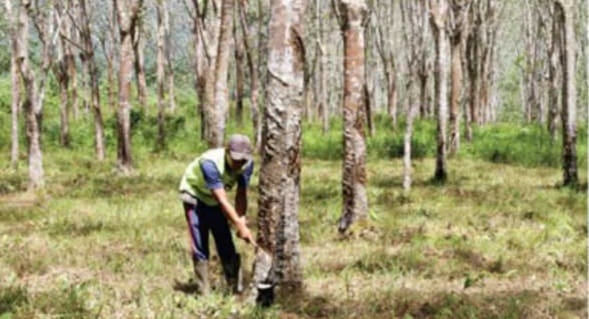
529,145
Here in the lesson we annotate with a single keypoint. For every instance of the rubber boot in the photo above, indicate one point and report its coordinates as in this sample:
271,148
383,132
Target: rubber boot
233,275
201,273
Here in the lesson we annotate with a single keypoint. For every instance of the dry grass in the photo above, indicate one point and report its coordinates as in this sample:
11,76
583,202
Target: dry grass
497,241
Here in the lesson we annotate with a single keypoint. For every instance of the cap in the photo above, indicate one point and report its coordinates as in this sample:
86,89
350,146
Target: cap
239,147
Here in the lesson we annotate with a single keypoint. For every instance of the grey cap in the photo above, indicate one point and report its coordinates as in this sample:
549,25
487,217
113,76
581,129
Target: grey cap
239,147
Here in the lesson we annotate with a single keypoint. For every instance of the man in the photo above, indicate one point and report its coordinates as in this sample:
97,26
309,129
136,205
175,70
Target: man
203,193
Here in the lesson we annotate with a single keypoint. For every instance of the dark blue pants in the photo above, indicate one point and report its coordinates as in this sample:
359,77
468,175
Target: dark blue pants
201,219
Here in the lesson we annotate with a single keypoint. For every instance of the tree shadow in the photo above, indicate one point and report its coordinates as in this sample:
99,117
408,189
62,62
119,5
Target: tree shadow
422,304
188,287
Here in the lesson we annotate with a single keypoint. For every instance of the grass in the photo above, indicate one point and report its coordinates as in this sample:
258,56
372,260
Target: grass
497,241
500,239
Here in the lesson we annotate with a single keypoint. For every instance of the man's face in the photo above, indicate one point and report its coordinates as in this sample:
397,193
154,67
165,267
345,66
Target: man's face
235,165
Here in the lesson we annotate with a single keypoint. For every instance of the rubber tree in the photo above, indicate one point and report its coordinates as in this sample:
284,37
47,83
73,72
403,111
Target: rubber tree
217,107
351,15
438,17
16,40
89,57
456,25
127,15
565,15
279,185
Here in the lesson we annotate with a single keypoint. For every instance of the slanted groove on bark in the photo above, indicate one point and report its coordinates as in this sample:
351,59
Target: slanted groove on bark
279,185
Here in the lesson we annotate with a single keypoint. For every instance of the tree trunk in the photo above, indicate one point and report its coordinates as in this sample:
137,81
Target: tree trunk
407,148
384,26
35,156
254,78
205,31
169,66
279,186
355,201
457,22
62,71
239,72
569,95
554,75
216,109
70,59
474,83
138,39
368,72
160,74
439,13
127,13
17,38
108,42
62,82
321,74
414,14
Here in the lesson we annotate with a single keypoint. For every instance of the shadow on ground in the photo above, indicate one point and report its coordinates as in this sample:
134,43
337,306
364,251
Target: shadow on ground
407,303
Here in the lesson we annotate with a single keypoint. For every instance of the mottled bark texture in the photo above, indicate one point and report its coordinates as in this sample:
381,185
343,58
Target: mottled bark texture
216,109
456,25
139,57
569,94
414,14
280,171
355,201
31,99
439,14
127,14
160,74
86,37
202,27
251,59
15,41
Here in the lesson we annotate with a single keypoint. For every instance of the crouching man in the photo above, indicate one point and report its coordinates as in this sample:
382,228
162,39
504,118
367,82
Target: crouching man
203,191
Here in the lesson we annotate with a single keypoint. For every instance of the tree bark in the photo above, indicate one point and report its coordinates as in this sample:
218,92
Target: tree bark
407,149
457,25
355,201
169,66
254,78
239,52
138,39
205,31
17,38
279,186
62,71
35,155
569,95
216,109
439,13
384,26
554,75
414,15
127,14
160,75
169,70
108,42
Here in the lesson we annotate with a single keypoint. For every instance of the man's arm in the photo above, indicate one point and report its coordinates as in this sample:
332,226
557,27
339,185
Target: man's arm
243,231
215,184
230,212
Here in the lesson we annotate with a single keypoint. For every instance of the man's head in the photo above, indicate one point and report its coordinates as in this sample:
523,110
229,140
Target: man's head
239,149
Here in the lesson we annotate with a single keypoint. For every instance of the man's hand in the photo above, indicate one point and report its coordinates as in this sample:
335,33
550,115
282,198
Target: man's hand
244,232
